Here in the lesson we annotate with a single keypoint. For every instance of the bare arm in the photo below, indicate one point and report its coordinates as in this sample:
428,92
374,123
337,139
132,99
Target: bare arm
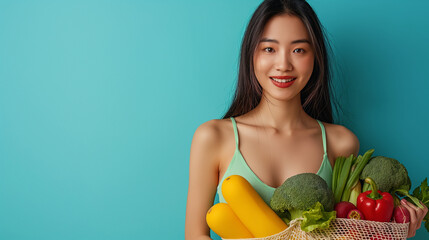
203,180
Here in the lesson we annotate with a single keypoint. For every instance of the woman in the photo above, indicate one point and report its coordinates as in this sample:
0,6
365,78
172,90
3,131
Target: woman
280,122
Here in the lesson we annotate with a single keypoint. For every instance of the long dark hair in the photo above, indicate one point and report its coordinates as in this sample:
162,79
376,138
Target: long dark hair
315,97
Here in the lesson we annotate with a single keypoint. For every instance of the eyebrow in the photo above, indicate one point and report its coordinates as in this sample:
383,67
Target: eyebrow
293,42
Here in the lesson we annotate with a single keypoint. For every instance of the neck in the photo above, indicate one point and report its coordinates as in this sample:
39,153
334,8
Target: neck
286,115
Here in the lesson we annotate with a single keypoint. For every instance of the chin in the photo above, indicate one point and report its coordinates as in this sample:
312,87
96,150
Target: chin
282,97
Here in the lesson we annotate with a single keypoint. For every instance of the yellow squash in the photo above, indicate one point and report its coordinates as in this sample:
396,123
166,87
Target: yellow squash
223,221
250,208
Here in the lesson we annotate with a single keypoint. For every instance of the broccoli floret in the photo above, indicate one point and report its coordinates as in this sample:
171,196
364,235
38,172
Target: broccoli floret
388,174
300,193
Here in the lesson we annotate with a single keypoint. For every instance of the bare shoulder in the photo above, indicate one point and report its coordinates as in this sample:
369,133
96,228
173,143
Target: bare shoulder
213,137
212,132
208,132
341,141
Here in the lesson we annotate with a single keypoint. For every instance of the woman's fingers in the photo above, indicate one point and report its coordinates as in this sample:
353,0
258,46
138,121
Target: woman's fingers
420,212
411,205
413,218
416,216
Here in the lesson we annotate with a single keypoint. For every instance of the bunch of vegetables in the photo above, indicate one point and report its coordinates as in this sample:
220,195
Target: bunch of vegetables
363,187
370,188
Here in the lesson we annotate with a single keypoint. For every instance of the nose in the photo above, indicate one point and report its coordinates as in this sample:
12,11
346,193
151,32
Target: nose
283,63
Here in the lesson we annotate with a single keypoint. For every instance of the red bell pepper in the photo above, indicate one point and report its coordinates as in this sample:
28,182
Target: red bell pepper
375,205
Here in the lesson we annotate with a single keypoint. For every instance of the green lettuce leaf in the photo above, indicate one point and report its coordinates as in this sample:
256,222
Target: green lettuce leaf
316,217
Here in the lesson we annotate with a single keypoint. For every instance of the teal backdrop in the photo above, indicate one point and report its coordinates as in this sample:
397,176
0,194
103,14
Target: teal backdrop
99,101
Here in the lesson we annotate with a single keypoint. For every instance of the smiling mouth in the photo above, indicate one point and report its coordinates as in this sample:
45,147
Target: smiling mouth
282,80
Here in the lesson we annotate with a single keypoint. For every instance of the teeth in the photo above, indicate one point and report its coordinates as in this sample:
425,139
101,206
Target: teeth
283,80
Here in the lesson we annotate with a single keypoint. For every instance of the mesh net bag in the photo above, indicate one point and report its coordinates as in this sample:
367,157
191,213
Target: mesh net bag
344,229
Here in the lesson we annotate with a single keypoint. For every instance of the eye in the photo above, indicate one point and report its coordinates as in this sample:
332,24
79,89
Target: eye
299,50
268,49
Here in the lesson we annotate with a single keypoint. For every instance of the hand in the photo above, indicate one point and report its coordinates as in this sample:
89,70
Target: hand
416,214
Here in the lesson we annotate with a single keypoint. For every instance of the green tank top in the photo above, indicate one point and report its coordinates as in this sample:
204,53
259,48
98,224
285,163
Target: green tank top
238,166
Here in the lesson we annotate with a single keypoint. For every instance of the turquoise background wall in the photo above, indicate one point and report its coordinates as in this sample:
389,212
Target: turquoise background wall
99,101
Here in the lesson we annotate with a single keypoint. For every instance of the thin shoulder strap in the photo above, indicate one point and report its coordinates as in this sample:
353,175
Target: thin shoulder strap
323,135
234,125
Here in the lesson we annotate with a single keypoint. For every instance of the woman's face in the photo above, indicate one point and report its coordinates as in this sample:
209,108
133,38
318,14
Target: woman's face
284,58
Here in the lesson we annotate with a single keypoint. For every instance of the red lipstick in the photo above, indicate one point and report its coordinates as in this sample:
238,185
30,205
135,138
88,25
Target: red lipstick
286,84
282,77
